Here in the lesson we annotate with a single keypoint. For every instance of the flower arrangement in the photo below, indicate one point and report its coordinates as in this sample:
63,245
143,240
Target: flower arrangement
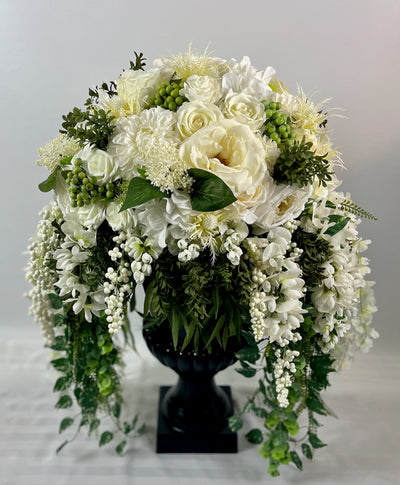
210,184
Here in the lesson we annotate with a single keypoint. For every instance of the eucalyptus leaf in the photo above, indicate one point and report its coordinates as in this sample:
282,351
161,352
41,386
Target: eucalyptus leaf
209,192
141,190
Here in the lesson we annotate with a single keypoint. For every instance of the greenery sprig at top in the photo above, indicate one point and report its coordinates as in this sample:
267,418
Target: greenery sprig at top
210,184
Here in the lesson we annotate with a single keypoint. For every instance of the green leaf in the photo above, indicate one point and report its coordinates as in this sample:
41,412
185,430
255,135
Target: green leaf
61,447
65,423
49,183
59,343
331,231
307,451
176,324
55,301
141,190
209,192
64,402
65,161
296,460
260,412
254,436
141,430
116,410
94,425
120,448
61,365
235,422
59,319
315,441
62,384
330,204
315,404
250,354
105,438
247,371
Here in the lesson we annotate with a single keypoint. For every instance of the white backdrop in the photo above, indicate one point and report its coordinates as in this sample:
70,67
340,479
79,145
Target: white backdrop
52,51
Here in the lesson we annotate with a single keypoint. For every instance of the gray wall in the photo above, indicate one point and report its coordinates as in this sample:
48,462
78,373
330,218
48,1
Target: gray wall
51,52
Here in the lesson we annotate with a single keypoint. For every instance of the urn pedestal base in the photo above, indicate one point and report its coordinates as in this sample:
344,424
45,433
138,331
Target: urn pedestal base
173,441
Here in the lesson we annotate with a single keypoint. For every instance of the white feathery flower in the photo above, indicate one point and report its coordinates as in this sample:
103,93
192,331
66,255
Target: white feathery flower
61,147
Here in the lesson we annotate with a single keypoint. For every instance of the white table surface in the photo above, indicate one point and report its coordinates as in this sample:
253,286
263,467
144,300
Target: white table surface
363,445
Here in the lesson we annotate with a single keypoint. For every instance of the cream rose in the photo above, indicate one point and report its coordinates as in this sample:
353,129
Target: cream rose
245,108
193,116
99,164
202,88
231,151
120,221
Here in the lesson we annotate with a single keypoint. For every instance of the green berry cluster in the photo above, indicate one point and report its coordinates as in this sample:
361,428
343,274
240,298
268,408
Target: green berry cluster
277,125
168,96
83,189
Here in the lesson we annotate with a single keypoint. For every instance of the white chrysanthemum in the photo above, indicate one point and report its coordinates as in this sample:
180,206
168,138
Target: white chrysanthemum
61,147
272,152
138,135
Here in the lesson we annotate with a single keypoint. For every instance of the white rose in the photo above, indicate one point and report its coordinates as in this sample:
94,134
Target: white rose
202,88
244,108
99,164
135,88
120,221
91,215
234,153
193,116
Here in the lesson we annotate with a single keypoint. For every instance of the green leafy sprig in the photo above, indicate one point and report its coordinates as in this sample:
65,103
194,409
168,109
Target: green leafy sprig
352,208
91,126
298,164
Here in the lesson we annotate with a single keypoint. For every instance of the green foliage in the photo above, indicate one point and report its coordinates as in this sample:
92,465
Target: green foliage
139,62
352,208
204,300
91,126
209,192
50,183
141,190
298,164
316,251
339,223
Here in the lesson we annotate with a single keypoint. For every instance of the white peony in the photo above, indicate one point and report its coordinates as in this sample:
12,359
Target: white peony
231,151
245,108
193,116
283,203
202,88
243,77
98,163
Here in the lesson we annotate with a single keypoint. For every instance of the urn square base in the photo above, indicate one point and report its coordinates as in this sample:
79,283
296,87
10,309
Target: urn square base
170,441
